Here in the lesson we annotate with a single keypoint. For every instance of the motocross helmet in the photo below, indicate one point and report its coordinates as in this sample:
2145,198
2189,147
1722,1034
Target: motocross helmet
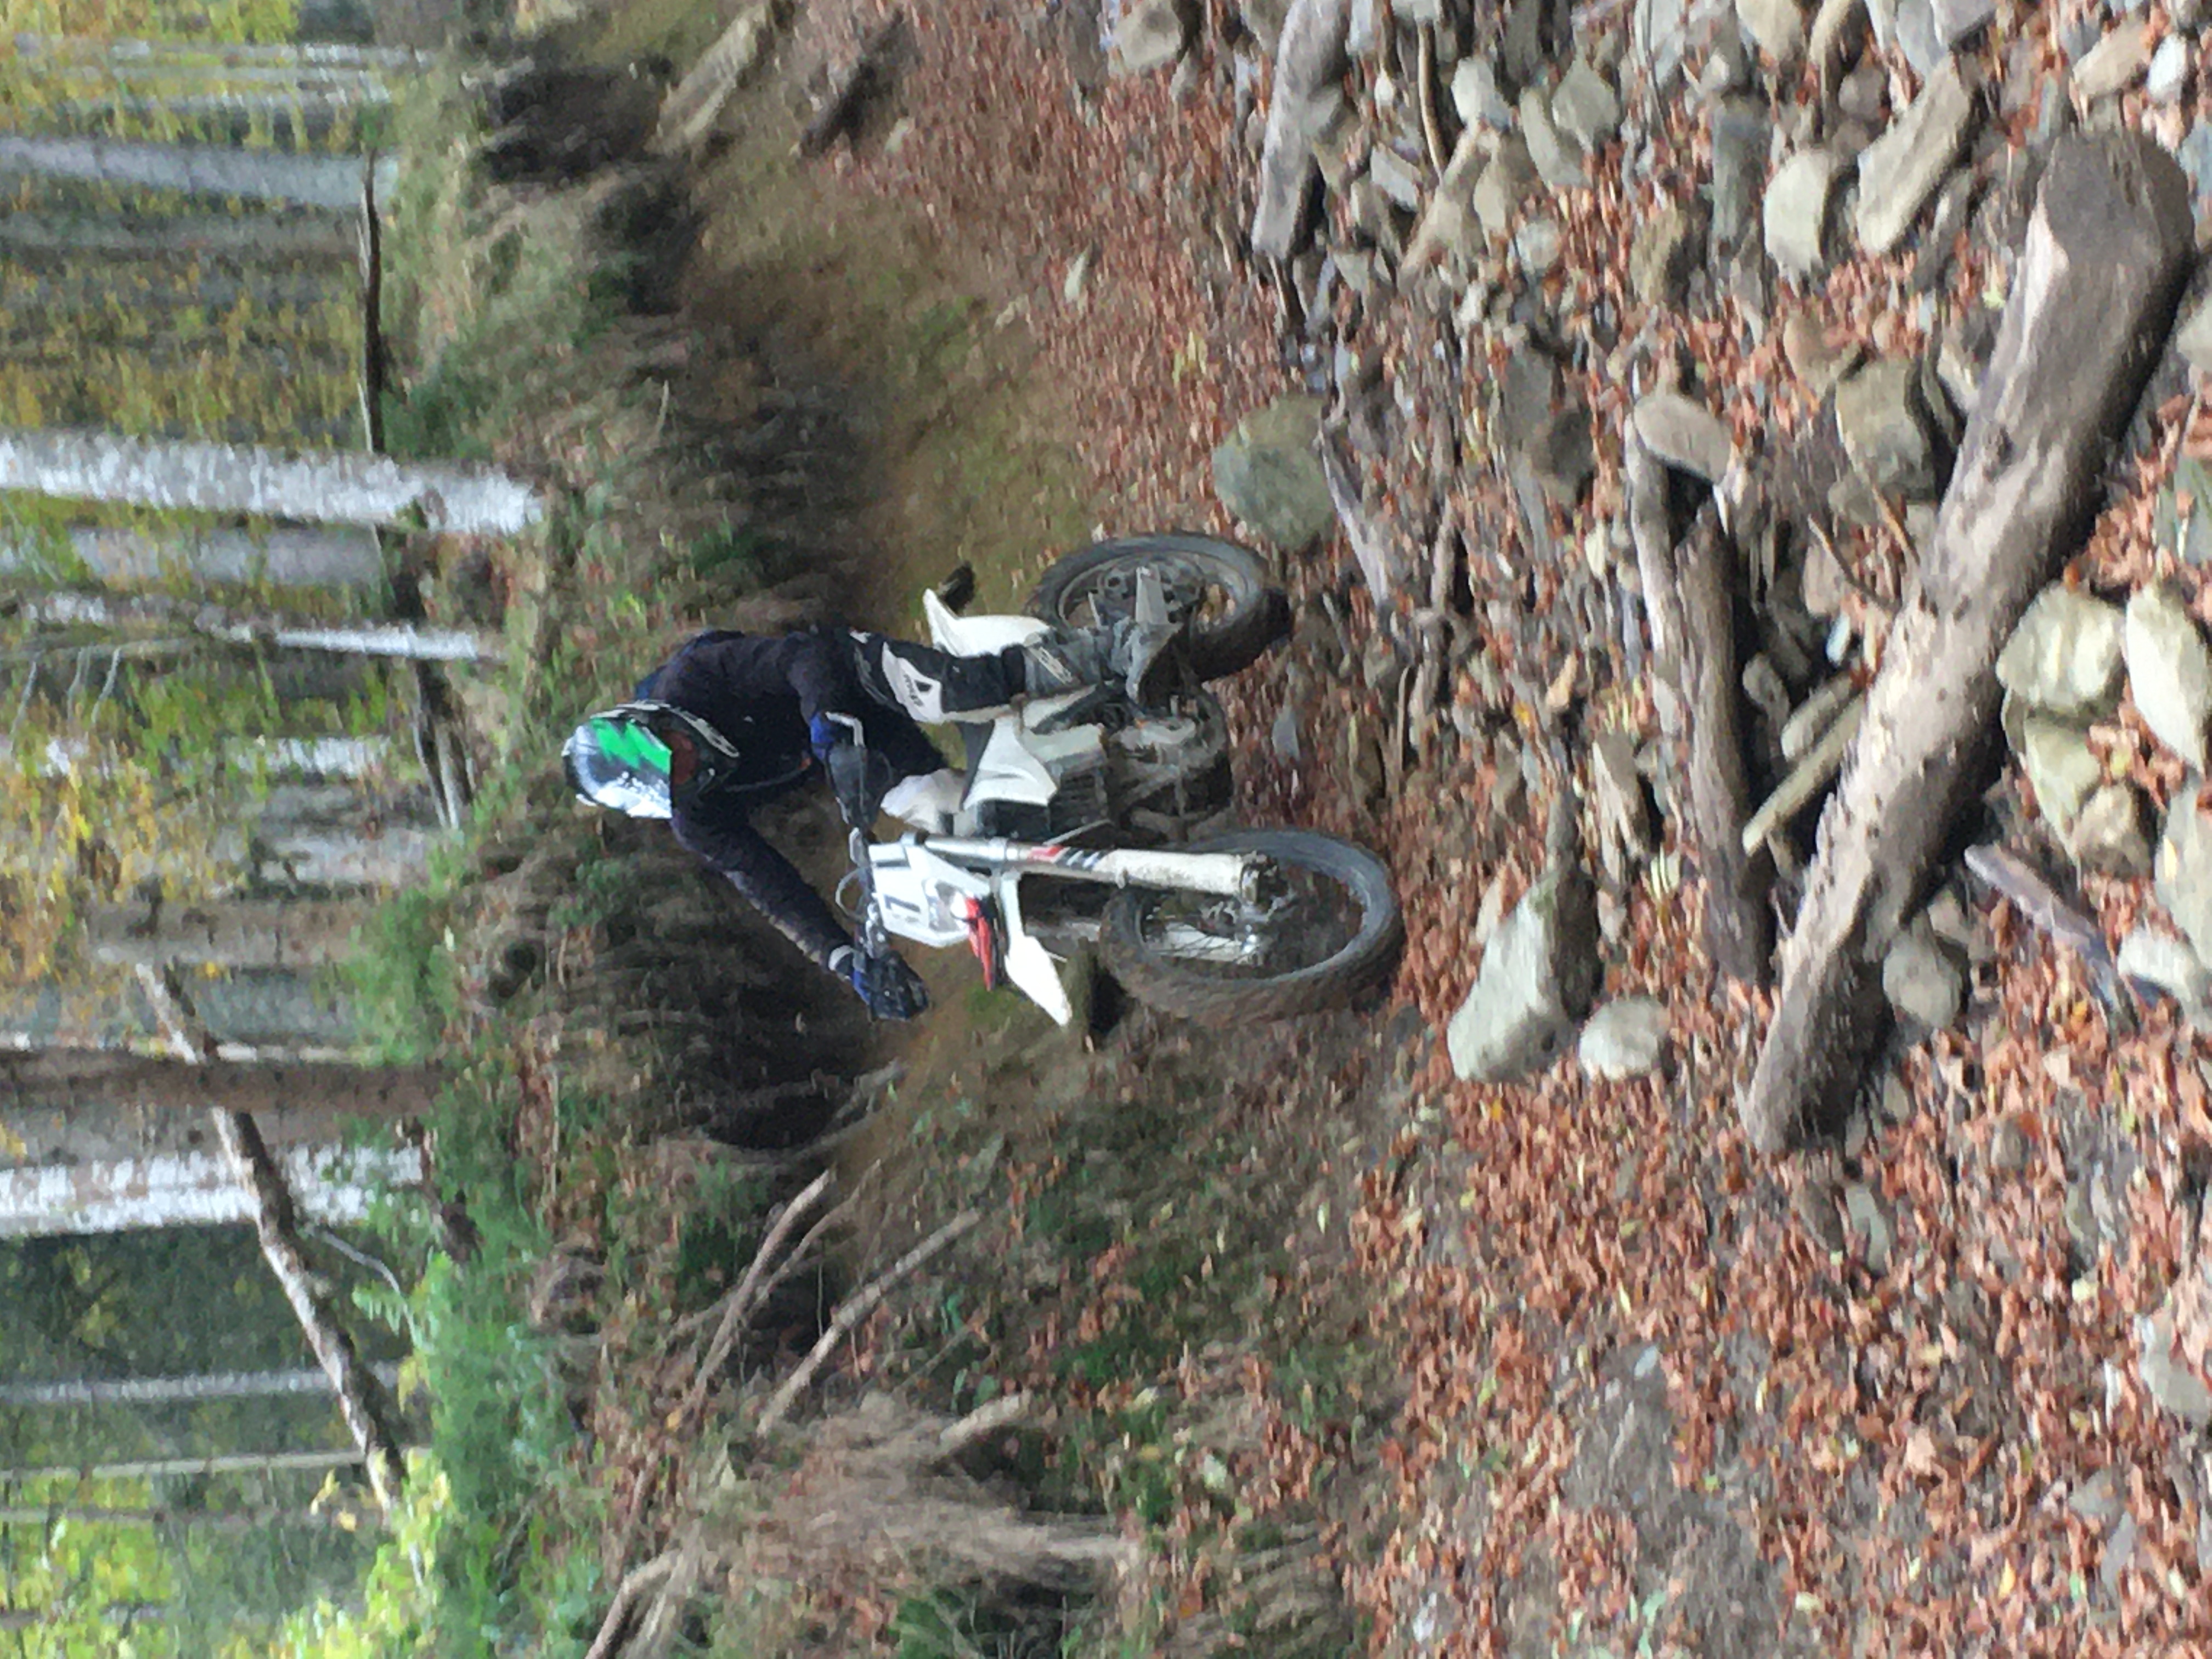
642,758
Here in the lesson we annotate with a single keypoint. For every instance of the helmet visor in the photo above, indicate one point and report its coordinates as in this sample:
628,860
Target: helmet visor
618,762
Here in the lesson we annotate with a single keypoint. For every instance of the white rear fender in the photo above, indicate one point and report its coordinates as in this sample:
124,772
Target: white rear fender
976,636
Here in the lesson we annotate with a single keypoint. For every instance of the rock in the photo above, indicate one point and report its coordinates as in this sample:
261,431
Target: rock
1825,583
1149,35
1586,108
1557,163
2168,76
1527,390
2099,1500
2112,63
2193,340
1867,1220
1922,981
1267,474
1537,246
2168,1377
2064,657
1539,972
1659,36
1839,27
1958,22
1878,416
1901,169
1916,36
1448,224
1777,27
1356,266
1617,790
2169,672
2195,156
2182,871
1539,977
2109,833
1727,69
1796,211
2118,1553
1817,360
1476,97
2061,768
1394,177
2166,964
1503,185
1626,1038
1739,131
1685,434
1362,28
1523,53
1077,278
1265,19
1563,455
1666,249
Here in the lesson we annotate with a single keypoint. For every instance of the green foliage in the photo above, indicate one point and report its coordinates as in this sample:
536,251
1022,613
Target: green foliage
490,317
399,979
396,1617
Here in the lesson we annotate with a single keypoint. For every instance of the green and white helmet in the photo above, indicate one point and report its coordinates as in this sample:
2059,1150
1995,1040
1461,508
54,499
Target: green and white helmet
639,758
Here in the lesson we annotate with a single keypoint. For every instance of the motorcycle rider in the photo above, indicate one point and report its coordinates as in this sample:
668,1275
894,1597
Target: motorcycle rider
733,719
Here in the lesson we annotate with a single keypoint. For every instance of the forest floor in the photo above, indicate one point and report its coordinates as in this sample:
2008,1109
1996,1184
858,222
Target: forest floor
1554,1367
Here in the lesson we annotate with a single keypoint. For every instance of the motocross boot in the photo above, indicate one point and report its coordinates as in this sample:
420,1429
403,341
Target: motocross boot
1070,659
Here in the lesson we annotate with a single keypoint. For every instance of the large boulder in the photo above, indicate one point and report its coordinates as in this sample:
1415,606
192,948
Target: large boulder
2064,657
1540,972
1267,474
2169,672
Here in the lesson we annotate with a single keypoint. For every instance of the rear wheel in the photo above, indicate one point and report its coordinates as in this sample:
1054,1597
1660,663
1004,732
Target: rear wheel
1326,927
1222,589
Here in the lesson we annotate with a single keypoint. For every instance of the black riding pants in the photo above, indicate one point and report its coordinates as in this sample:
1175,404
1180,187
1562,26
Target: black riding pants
934,686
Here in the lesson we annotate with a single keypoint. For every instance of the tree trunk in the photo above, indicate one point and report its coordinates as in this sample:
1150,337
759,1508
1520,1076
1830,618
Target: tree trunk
161,1390
2093,298
209,1520
158,1468
328,489
262,236
332,182
1309,62
225,933
287,556
361,1398
335,1184
50,1096
113,1612
404,640
1689,591
124,57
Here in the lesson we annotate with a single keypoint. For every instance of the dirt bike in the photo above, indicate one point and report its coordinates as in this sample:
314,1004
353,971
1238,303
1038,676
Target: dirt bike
1089,819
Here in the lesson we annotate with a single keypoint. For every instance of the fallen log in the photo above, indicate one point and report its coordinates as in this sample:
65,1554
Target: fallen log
1309,61
2094,294
361,1398
1701,662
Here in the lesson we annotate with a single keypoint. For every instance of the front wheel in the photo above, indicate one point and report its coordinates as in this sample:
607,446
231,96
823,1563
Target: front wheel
1325,928
1219,588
